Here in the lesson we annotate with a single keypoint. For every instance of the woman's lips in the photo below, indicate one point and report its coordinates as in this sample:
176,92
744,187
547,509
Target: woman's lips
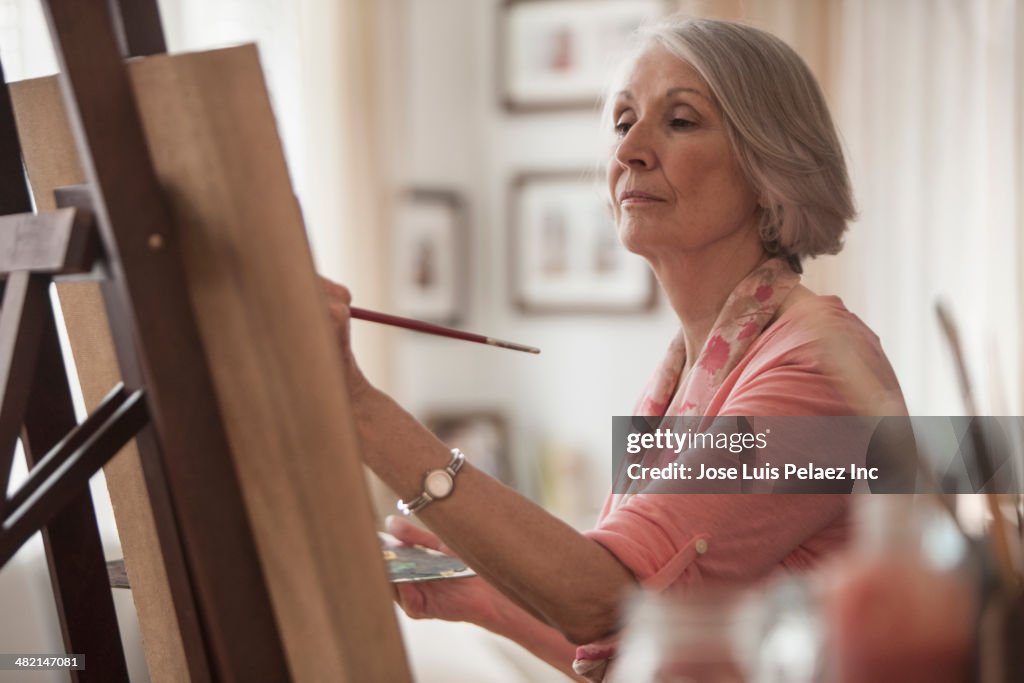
636,198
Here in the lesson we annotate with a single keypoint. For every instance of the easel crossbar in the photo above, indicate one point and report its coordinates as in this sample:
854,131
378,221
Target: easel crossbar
58,242
67,446
67,480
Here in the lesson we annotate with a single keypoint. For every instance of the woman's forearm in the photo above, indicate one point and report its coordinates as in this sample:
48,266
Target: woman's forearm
555,572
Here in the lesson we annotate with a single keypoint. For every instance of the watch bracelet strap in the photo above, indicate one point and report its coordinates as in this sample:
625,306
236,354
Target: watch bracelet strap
424,499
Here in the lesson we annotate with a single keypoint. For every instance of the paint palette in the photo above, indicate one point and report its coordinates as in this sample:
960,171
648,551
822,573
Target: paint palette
406,563
416,563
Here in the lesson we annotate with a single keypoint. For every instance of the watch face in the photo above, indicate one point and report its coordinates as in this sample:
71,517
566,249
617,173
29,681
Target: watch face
438,484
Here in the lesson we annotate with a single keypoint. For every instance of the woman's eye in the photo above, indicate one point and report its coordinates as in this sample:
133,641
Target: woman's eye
622,128
681,123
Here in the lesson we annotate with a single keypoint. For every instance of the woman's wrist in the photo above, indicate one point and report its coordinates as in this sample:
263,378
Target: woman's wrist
495,613
505,618
359,388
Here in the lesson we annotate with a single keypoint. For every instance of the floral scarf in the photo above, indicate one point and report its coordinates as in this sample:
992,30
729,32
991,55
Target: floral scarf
747,311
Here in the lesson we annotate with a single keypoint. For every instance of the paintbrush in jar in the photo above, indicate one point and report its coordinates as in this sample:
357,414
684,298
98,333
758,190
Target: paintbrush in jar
1000,534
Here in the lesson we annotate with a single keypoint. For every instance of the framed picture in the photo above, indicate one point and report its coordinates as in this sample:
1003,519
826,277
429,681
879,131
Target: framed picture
482,436
558,54
430,251
566,255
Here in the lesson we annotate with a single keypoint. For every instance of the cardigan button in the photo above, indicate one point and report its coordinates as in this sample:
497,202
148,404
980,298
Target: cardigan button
701,546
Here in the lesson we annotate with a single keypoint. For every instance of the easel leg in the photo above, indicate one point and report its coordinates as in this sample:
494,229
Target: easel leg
21,320
74,550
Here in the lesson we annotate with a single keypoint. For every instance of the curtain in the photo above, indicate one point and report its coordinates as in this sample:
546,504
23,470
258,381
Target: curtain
928,98
347,204
24,40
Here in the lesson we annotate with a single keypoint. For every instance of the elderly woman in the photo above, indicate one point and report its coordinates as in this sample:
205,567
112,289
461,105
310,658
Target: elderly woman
726,172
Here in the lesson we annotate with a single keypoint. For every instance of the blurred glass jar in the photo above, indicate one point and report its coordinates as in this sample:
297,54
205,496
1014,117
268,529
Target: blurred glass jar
768,636
684,638
901,606
896,607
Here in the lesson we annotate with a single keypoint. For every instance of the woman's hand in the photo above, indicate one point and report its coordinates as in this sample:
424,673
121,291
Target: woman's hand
475,601
470,599
339,300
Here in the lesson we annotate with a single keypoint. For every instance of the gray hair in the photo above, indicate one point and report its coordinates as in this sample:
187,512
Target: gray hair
779,127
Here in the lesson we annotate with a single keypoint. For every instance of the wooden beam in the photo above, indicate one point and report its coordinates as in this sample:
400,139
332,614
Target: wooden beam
25,303
67,481
74,549
14,192
71,539
138,28
54,242
43,466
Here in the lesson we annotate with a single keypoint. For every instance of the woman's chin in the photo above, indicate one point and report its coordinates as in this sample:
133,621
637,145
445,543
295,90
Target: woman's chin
632,238
637,242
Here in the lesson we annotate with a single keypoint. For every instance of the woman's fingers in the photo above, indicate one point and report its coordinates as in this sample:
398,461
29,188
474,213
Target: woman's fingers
339,298
469,599
336,291
410,534
412,600
340,316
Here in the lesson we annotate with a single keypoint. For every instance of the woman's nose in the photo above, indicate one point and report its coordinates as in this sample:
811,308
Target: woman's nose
635,149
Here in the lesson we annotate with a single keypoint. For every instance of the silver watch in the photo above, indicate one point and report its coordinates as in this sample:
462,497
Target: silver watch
437,485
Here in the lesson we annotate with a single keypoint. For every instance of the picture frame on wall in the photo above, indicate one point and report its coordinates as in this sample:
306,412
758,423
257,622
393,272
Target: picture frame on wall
557,54
565,253
481,435
430,235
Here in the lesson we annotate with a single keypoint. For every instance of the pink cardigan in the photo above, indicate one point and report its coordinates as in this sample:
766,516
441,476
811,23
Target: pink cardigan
816,359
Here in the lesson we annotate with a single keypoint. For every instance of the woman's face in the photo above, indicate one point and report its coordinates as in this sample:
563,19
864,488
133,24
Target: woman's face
674,181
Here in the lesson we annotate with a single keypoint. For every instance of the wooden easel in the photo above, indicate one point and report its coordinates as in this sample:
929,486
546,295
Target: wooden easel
118,228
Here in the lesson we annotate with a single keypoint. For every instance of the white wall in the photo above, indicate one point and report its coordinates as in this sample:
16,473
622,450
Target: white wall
928,100
458,136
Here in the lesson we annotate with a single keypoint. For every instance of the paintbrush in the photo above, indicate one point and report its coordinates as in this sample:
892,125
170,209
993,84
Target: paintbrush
1000,534
1000,407
439,330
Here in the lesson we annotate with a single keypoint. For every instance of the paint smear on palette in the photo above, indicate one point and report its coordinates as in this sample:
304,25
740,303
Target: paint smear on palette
416,563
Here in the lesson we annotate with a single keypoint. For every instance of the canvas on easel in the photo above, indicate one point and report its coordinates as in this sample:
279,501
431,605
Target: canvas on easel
272,356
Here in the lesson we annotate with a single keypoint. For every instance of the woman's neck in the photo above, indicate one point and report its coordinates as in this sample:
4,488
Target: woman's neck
699,282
